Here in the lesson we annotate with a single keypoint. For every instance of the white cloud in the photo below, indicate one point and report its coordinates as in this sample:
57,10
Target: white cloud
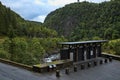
97,1
39,18
39,2
60,2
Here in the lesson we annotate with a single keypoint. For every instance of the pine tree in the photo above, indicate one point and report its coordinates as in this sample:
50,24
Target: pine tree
11,32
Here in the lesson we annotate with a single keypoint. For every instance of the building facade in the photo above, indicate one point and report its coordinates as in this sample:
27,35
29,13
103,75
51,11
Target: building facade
81,51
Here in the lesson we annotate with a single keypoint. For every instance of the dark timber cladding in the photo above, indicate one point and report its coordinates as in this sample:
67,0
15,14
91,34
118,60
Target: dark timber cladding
80,51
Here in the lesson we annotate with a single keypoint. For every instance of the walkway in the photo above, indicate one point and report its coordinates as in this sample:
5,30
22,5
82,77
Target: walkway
108,71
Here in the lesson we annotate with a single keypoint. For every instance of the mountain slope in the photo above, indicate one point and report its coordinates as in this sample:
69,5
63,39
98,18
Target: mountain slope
7,18
11,20
86,20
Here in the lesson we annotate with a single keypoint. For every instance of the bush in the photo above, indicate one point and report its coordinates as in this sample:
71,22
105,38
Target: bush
27,51
36,49
4,54
113,47
19,49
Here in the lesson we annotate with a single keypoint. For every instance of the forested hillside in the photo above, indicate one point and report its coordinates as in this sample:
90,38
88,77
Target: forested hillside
21,27
25,41
7,18
87,21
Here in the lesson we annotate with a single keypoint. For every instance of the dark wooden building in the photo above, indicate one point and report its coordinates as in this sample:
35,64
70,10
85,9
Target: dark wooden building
80,51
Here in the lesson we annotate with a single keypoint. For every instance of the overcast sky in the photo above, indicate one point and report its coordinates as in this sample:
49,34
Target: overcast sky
37,10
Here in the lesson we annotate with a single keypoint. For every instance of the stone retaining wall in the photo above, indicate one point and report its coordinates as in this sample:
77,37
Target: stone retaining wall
16,64
48,69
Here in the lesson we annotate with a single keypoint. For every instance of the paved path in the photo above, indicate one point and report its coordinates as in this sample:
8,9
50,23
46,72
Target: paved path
109,71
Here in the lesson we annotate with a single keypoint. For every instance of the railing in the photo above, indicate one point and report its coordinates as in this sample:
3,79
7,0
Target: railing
116,57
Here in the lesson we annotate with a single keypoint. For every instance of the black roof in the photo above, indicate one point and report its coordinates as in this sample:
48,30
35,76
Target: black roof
82,42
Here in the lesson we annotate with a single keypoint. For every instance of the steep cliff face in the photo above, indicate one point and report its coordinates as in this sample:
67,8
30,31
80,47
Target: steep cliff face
65,19
86,20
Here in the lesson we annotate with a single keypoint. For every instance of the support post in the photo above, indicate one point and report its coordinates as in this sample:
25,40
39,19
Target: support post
82,66
95,63
75,68
101,61
106,60
57,73
67,71
89,64
110,59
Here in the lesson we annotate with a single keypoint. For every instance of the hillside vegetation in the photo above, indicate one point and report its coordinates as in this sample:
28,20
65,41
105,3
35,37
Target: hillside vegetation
24,41
113,47
86,21
11,20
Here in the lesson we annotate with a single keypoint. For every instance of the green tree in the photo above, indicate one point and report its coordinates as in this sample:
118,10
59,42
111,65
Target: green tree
108,33
36,50
113,47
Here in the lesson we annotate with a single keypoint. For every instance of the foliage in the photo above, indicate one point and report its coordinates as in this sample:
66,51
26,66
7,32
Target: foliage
8,18
28,50
84,20
113,47
4,54
27,41
11,25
